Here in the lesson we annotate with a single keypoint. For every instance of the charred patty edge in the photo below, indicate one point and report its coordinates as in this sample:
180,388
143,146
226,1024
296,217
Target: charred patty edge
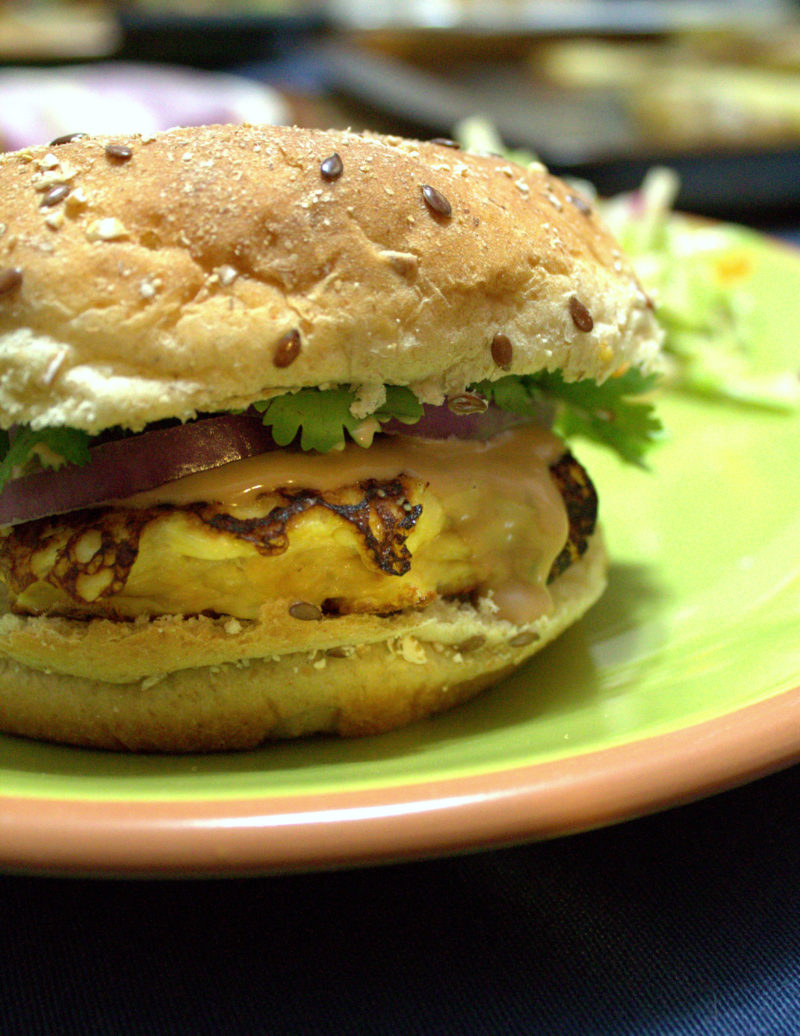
379,510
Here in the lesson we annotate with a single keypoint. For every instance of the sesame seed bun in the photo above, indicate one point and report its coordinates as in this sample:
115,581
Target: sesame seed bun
202,269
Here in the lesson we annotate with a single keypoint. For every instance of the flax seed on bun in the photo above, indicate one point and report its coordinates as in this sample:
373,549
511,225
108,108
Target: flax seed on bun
202,270
212,244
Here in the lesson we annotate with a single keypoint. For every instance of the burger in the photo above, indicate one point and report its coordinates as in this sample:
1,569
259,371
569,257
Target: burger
284,415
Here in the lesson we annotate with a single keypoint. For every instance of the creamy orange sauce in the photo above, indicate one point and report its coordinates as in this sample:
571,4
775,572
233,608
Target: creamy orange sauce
497,495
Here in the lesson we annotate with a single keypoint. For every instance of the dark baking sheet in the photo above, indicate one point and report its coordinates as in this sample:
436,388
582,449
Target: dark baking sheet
213,41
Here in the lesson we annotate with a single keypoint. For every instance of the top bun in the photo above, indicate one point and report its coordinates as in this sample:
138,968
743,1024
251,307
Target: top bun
201,269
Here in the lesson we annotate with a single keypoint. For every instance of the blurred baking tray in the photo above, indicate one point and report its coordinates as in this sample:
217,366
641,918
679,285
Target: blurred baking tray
588,135
547,16
215,39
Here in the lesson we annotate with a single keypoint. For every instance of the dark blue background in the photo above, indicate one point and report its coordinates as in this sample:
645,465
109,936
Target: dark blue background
682,923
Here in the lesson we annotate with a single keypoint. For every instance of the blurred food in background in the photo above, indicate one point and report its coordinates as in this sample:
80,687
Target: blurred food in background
560,16
39,104
695,90
48,31
583,96
231,8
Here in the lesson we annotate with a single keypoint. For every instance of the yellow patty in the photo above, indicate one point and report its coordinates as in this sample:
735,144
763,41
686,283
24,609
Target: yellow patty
337,552
499,518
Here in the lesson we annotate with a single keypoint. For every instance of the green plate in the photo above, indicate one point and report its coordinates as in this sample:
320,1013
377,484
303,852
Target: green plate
683,680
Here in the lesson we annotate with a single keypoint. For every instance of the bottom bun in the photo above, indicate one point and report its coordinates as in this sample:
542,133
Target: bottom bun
430,661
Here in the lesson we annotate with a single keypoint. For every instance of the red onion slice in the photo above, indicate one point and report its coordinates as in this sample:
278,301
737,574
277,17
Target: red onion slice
439,422
125,466
121,467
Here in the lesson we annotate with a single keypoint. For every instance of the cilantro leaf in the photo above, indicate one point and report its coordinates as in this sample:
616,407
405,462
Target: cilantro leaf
609,413
401,404
515,393
322,416
606,413
69,445
319,417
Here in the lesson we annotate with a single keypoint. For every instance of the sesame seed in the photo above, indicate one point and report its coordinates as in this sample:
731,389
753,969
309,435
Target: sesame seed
288,349
467,403
10,280
472,643
436,201
58,192
581,317
67,138
332,167
502,350
403,263
53,367
305,610
580,204
522,639
118,152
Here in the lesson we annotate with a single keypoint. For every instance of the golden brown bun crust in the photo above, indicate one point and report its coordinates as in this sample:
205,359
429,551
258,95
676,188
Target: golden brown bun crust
161,284
380,675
